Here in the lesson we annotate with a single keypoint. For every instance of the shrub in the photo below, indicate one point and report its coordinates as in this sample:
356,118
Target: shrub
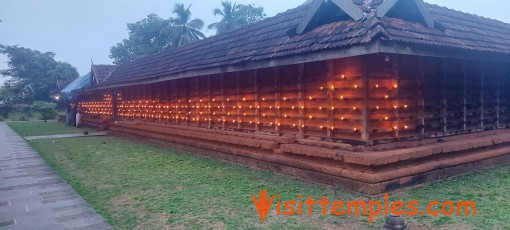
5,110
47,109
23,118
17,116
2,118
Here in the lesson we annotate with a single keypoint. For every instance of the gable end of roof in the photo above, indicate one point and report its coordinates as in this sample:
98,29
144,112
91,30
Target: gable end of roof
312,18
390,5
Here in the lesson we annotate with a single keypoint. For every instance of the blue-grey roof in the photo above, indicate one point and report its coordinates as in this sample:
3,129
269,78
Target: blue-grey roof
70,91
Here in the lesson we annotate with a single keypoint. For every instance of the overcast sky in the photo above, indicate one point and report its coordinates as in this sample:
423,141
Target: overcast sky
78,31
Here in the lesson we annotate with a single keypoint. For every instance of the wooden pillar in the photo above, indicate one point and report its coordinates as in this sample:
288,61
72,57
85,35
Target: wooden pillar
177,104
152,102
482,79
257,98
443,96
223,102
238,102
365,119
331,96
209,102
159,101
464,101
277,100
498,96
197,101
301,97
186,101
144,100
419,96
396,72
115,106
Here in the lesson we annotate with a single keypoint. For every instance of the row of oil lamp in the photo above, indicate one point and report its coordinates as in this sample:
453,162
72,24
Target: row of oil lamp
143,115
311,98
184,117
332,87
103,107
99,107
177,119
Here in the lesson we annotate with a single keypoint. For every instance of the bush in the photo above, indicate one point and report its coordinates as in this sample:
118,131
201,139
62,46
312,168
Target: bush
23,118
17,116
5,110
47,109
2,118
14,112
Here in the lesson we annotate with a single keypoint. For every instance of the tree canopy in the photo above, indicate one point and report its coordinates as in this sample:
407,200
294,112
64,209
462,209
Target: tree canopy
183,29
146,36
235,16
33,75
154,34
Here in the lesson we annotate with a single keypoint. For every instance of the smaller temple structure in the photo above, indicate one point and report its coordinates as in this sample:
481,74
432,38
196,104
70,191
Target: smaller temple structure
97,74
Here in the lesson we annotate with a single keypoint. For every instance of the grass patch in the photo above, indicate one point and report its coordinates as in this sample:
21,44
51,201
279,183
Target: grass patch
41,128
142,186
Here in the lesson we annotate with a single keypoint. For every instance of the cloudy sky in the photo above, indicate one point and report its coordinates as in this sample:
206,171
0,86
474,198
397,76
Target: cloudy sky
78,31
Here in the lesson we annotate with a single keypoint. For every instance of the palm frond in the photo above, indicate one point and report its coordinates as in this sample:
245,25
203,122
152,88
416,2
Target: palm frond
213,26
199,34
183,14
217,12
196,23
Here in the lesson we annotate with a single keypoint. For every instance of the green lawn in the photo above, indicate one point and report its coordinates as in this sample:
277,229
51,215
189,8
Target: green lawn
143,186
40,128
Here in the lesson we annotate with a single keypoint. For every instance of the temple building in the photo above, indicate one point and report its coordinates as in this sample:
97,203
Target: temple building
374,95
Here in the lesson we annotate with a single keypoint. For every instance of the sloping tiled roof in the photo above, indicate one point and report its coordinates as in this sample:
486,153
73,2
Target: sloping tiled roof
269,39
101,72
465,31
75,86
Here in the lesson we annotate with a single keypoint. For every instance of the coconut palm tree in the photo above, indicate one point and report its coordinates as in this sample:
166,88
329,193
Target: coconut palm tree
235,16
183,29
230,19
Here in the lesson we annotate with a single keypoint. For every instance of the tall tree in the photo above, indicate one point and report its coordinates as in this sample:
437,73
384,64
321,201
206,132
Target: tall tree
182,28
235,16
146,37
33,75
251,13
229,20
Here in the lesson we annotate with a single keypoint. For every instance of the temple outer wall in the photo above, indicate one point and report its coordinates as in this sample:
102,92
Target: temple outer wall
365,100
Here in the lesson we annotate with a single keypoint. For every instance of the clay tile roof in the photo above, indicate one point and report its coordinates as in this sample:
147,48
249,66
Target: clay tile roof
101,72
269,39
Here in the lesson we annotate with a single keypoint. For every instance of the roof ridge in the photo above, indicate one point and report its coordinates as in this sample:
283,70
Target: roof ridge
377,28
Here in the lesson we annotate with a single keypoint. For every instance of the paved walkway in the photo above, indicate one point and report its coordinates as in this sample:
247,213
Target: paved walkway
30,138
33,196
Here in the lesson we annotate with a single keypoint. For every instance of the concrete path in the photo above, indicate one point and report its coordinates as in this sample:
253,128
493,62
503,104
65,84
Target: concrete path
30,138
33,196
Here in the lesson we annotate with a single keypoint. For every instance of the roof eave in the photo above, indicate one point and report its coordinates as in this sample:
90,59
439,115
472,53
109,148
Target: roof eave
376,46
365,49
